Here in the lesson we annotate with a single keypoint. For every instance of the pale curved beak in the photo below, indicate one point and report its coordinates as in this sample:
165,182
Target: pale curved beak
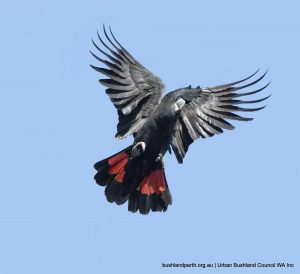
179,104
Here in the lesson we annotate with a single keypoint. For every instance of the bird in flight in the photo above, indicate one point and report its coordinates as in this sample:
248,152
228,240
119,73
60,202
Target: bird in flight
158,124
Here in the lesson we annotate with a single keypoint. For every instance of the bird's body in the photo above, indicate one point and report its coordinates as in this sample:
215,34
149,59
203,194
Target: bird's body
157,131
158,124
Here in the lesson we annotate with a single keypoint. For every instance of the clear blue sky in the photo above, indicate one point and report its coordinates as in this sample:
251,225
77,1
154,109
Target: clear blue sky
236,197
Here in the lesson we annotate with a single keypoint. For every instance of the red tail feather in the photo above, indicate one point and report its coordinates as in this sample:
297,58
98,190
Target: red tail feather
117,158
116,166
154,183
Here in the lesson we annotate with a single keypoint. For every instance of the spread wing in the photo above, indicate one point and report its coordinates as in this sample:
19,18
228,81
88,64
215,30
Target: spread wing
132,88
207,110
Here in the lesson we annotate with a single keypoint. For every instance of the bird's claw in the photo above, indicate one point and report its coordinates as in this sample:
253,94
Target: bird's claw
159,158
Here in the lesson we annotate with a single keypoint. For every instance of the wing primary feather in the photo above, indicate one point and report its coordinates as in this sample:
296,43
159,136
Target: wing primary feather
117,62
105,33
236,95
113,44
232,89
252,83
116,85
112,51
113,75
114,68
235,83
230,115
235,108
238,102
108,64
124,51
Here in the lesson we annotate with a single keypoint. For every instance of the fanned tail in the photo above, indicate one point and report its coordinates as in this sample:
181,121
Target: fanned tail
144,185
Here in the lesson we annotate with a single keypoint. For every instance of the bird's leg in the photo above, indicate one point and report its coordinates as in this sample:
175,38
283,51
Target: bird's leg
161,154
138,149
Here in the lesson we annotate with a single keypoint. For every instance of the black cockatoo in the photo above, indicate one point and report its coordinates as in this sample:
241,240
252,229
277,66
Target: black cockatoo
158,124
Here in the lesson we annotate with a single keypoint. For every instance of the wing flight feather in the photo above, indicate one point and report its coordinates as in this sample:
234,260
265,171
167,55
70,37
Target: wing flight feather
207,110
133,89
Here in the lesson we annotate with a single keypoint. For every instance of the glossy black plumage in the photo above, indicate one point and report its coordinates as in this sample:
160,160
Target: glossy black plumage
158,123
